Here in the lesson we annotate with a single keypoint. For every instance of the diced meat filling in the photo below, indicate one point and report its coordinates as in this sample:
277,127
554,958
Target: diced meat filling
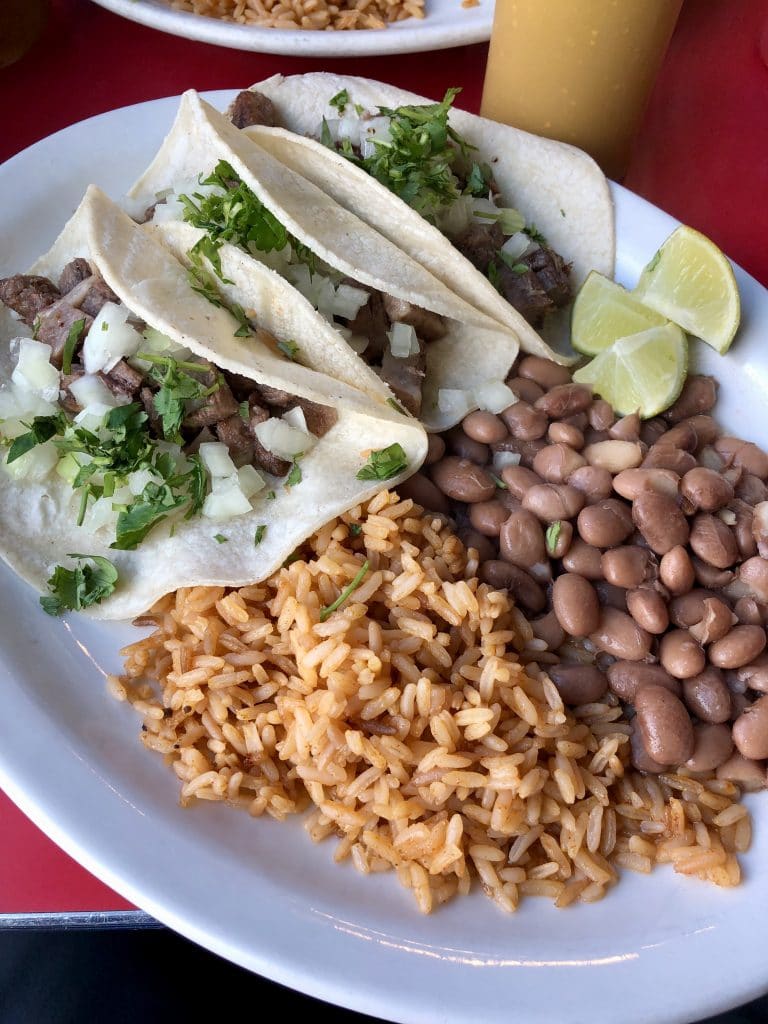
319,418
372,323
252,108
406,377
28,295
54,325
98,294
123,380
76,270
481,243
428,325
263,457
234,432
219,405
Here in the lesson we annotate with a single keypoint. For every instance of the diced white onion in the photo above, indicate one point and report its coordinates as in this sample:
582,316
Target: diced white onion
299,276
494,396
17,402
516,245
34,371
226,501
348,301
215,458
170,210
69,465
34,465
92,416
282,439
110,339
502,459
454,402
484,206
296,418
322,295
100,513
250,481
91,390
456,219
403,341
138,481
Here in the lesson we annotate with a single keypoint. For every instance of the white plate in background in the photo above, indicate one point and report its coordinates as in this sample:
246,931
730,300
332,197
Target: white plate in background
660,949
446,24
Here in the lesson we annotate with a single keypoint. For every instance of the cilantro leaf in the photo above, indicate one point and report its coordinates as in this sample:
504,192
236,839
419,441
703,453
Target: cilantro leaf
384,464
345,594
156,502
478,181
492,273
294,477
534,234
220,538
80,587
258,536
288,348
41,429
518,267
355,529
340,101
73,336
177,387
396,406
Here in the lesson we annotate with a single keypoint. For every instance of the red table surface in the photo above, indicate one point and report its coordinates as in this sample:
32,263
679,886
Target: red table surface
702,155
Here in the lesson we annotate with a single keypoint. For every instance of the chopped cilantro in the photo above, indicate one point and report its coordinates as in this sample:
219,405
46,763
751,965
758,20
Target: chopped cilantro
562,212
396,406
244,411
492,273
288,348
36,328
478,181
325,136
384,464
153,505
355,529
177,387
220,538
534,234
340,101
517,267
271,495
552,535
346,593
202,282
81,587
258,536
294,557
41,429
498,482
73,336
294,477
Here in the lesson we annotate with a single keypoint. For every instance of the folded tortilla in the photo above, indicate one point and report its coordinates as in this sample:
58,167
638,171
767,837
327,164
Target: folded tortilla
37,522
554,185
476,348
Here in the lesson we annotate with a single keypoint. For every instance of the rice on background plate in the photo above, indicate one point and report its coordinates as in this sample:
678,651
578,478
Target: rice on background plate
414,724
306,14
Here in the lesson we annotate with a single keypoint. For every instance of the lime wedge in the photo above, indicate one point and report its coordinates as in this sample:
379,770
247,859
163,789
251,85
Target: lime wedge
603,312
690,282
644,372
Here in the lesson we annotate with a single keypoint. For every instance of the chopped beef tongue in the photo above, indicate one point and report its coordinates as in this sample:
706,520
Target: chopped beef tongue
429,326
480,243
252,108
262,457
234,433
76,270
373,323
123,381
148,401
97,295
544,288
54,327
552,273
219,405
319,418
405,377
28,295
67,400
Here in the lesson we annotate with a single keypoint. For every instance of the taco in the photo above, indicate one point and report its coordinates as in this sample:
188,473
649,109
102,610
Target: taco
153,441
224,205
511,222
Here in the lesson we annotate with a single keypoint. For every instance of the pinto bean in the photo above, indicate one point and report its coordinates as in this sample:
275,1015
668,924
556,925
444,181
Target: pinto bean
682,436
595,484
610,596
632,482
521,540
575,604
741,646
749,611
605,524
705,490
619,635
546,373
660,521
578,684
472,539
435,449
662,456
712,746
525,422
760,528
676,570
711,459
527,390
665,727
556,462
547,628
709,576
699,395
484,427
565,433
706,429
743,529
459,444
504,575
551,502
743,454
750,731
755,675
564,400
649,610
519,480
681,655
625,678
584,560
712,541
688,609
615,456
601,415
559,538
750,775
707,696
462,480
627,566
626,429
641,759
488,517
419,488
509,501
525,449
751,489
652,429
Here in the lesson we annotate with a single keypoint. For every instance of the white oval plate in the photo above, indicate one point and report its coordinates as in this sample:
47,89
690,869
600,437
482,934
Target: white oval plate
662,949
446,24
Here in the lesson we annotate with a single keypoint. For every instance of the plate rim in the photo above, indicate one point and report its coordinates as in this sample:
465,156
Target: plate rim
298,976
